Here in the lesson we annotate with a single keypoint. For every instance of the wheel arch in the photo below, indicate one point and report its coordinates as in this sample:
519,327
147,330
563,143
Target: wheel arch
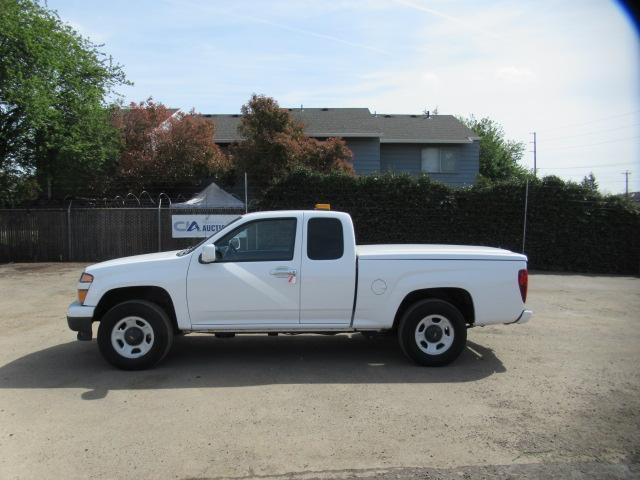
458,297
151,293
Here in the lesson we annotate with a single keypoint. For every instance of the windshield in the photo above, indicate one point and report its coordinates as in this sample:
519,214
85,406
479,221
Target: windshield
190,249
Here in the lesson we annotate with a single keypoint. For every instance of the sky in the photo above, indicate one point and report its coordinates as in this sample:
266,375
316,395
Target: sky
568,70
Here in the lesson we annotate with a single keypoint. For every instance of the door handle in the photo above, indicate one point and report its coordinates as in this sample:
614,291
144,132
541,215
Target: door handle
283,272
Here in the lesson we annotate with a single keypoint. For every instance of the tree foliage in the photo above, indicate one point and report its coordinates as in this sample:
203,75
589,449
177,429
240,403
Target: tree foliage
165,149
54,123
274,143
499,157
589,182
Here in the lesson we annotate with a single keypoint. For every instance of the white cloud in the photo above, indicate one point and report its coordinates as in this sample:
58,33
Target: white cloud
470,24
513,74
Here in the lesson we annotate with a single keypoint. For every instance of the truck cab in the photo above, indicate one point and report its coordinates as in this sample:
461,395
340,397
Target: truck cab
287,269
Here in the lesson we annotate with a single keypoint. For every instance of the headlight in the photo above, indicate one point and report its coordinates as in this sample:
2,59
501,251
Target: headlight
86,277
83,286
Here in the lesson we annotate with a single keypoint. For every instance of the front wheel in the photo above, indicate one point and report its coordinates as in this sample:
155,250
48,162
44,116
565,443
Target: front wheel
135,335
432,333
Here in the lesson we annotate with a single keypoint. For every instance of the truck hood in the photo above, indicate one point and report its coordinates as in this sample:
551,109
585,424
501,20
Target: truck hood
140,260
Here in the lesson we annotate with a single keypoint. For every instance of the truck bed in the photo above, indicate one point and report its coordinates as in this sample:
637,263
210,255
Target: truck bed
434,252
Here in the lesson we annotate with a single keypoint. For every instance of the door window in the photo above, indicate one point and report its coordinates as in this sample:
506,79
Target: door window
259,241
324,239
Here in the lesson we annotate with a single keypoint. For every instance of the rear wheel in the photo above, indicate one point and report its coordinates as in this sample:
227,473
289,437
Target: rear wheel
135,335
432,333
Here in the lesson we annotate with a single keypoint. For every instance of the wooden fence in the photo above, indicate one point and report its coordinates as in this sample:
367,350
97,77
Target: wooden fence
90,234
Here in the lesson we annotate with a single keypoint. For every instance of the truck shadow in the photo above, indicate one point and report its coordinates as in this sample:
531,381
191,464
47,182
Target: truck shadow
202,361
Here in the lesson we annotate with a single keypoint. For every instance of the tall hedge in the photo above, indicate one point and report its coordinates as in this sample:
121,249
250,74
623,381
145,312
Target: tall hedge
569,227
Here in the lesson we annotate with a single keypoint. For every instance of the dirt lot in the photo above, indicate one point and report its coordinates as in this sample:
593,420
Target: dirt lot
558,397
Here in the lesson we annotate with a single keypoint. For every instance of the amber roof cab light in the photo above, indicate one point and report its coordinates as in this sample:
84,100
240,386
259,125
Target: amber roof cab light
323,206
523,283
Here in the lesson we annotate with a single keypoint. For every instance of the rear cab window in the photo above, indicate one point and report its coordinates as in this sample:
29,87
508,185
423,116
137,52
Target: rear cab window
325,239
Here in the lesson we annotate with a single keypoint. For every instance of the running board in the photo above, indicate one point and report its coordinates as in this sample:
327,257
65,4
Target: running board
262,329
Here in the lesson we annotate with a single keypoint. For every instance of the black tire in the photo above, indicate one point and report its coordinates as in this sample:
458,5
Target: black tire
153,316
436,311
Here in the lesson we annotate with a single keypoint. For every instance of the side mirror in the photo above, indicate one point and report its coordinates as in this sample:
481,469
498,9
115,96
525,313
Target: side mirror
208,254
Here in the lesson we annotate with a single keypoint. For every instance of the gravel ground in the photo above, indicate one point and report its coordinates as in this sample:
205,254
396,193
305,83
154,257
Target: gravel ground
558,397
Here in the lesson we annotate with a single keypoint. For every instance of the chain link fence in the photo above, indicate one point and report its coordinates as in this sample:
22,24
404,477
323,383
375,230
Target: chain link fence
91,234
556,229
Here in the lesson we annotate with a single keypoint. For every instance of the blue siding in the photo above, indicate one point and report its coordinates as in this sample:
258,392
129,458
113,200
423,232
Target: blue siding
366,154
400,158
406,158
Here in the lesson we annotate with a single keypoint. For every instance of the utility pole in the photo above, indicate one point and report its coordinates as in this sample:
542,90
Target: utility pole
535,166
626,174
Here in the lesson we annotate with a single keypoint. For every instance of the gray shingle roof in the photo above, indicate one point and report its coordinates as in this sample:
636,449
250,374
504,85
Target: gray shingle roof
359,122
337,122
420,128
226,127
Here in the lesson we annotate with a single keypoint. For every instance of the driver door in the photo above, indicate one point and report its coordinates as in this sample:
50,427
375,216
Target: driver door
254,280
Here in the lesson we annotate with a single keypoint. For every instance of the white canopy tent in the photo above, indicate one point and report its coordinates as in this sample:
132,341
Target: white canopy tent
211,197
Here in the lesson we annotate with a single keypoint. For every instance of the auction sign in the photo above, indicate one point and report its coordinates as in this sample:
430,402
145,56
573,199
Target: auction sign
188,226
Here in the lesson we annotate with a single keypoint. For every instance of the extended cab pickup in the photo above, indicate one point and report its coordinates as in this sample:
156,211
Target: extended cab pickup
298,272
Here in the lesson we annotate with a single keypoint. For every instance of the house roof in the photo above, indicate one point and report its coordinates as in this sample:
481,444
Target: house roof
337,122
418,128
360,122
226,127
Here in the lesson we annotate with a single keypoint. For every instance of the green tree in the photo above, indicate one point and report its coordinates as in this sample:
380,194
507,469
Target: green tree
499,157
54,118
274,143
589,182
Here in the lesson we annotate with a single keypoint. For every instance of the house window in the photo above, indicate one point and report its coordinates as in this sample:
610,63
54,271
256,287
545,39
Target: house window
439,160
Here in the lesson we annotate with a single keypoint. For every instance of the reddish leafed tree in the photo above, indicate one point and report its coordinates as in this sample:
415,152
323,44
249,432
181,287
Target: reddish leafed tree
274,143
162,148
329,155
137,124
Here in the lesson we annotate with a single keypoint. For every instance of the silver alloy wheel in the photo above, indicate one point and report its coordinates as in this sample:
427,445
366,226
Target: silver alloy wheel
132,337
434,334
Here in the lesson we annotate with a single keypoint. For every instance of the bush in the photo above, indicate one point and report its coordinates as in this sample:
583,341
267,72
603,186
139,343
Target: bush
569,227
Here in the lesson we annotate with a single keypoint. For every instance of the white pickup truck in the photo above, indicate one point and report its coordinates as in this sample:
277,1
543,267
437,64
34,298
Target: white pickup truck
298,272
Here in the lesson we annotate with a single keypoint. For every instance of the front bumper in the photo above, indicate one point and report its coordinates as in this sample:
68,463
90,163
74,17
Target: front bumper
79,319
524,317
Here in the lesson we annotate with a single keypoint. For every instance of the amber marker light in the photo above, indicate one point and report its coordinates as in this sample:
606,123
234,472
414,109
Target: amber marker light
85,278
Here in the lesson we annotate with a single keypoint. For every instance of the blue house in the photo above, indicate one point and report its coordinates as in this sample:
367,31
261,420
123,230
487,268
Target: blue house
438,145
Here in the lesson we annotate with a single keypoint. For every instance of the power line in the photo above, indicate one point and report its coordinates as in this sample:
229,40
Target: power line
594,121
591,132
587,166
594,144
